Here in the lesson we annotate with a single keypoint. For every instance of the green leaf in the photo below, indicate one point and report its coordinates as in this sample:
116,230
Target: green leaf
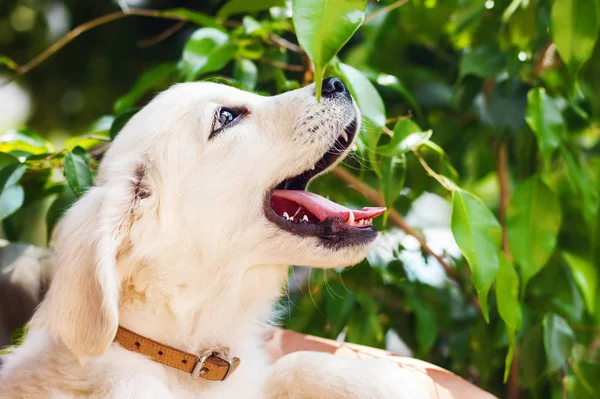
371,108
246,73
545,119
323,27
338,309
507,299
11,200
11,174
478,235
393,83
77,172
61,204
579,174
574,27
407,136
24,140
393,174
207,50
8,62
120,122
558,341
532,365
364,326
152,80
244,6
481,61
427,328
533,219
586,277
196,17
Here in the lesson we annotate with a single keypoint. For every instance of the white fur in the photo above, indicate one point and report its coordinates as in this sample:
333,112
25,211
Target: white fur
172,243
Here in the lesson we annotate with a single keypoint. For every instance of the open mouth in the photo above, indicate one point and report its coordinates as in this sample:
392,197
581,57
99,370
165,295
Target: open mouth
298,211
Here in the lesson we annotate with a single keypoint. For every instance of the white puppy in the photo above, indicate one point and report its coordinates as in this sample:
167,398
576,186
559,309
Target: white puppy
185,238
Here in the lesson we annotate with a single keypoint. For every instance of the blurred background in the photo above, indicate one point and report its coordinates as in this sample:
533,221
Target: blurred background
481,135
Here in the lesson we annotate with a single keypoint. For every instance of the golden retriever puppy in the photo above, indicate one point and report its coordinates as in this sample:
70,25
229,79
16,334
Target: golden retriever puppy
168,267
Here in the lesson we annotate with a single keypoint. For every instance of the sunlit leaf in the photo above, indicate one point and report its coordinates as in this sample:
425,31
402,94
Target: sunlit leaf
478,235
233,7
407,136
558,341
323,27
24,140
533,220
586,277
507,299
546,121
77,172
8,62
574,27
207,50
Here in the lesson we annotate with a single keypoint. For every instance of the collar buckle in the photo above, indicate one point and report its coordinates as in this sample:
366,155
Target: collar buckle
200,369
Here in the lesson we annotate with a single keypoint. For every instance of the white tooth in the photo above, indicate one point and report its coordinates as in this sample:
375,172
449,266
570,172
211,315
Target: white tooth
345,135
291,218
313,168
286,216
305,218
351,218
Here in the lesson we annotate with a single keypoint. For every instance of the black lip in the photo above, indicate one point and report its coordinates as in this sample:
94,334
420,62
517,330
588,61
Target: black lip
332,232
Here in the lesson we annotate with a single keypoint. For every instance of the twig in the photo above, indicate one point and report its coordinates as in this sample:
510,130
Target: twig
164,35
504,184
374,197
400,117
389,8
431,172
282,65
280,41
71,35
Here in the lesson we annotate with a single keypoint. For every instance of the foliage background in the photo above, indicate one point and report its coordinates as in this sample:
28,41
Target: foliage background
481,136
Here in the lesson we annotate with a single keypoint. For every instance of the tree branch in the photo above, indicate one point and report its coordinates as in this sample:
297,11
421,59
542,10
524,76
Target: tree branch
71,35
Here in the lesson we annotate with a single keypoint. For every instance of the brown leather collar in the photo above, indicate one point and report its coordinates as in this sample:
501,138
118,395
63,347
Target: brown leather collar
213,365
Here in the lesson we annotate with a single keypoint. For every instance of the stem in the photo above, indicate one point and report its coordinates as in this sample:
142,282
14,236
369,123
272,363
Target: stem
374,197
281,42
282,65
389,8
165,35
431,172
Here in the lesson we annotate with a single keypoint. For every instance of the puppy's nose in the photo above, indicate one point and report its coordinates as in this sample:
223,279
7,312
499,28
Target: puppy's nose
333,87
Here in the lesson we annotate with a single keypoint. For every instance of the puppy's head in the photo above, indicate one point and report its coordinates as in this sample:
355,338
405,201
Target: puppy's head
210,174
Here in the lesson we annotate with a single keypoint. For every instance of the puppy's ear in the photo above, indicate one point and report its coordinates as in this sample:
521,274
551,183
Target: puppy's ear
81,306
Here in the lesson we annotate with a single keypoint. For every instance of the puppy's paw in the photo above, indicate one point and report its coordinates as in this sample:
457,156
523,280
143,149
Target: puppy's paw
302,375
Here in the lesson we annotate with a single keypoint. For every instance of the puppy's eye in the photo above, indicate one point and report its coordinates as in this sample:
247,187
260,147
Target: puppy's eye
225,118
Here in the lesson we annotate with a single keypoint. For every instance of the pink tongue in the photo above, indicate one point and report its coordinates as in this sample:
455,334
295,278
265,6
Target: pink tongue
323,208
